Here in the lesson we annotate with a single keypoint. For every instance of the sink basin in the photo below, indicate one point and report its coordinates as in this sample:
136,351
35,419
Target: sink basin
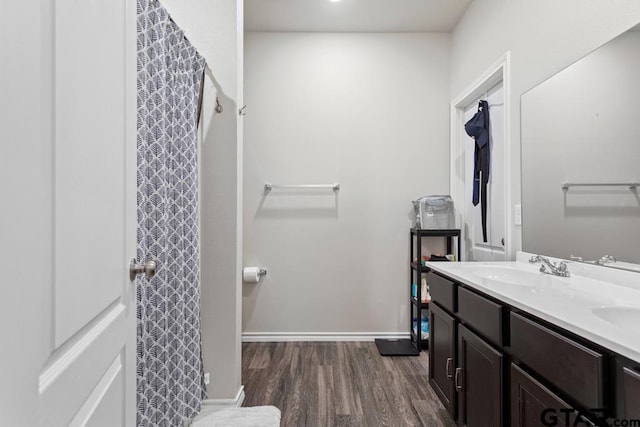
510,275
620,316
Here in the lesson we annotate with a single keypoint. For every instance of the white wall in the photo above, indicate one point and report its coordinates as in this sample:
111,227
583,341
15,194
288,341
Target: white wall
214,27
581,124
369,111
544,36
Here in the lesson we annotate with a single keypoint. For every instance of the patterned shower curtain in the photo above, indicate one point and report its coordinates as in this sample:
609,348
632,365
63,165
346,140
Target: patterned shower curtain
170,386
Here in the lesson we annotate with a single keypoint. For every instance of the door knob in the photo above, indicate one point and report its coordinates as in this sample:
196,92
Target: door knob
148,268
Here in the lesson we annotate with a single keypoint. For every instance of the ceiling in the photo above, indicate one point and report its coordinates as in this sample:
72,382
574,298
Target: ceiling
353,15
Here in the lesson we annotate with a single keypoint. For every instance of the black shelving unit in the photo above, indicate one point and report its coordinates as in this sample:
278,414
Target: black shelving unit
416,270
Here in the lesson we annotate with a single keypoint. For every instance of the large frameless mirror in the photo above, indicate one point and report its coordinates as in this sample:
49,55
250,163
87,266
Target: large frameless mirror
581,158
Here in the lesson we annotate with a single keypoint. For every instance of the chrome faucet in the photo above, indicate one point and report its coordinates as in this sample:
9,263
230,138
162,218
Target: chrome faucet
548,267
605,259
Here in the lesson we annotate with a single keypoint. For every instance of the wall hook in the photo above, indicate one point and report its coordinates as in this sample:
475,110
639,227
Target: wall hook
219,108
243,111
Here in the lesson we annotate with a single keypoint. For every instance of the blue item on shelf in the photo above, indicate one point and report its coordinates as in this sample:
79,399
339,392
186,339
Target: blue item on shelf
424,327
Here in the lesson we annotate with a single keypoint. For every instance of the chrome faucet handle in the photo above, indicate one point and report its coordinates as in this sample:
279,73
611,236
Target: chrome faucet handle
606,258
535,258
546,266
562,270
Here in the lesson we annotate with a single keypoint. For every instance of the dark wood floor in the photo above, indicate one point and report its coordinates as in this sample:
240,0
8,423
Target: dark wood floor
340,384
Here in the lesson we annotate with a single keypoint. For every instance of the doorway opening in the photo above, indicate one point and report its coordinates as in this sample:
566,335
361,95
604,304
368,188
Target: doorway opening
493,86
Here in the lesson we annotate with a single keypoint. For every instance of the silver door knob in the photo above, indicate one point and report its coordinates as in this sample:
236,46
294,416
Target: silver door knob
149,269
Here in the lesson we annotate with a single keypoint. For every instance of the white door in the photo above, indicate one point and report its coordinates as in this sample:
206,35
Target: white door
494,248
78,202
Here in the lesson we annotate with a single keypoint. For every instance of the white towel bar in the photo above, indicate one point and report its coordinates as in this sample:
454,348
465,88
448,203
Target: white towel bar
268,187
631,185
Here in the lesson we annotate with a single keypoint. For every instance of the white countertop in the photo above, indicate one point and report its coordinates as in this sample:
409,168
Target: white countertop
597,303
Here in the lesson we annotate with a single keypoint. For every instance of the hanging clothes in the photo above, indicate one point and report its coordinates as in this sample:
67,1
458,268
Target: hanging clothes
170,378
478,128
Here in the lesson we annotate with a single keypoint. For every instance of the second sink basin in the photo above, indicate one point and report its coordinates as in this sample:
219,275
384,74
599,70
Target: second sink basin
619,316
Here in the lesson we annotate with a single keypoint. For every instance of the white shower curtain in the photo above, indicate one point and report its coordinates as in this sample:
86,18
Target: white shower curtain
170,385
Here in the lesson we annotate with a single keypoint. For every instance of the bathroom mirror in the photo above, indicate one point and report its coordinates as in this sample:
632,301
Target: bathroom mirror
582,126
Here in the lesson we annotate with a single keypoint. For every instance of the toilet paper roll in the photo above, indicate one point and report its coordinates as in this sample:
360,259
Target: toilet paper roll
252,274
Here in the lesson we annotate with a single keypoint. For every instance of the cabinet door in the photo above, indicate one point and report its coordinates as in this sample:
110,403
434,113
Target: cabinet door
631,393
533,405
442,356
478,381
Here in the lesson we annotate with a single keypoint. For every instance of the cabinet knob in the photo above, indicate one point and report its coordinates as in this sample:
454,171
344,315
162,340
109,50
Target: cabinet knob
458,379
448,367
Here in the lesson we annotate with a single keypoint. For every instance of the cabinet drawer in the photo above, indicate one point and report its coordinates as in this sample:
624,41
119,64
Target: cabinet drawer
570,366
442,291
481,314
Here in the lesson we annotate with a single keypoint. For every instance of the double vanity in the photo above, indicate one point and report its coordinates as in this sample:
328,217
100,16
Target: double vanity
512,345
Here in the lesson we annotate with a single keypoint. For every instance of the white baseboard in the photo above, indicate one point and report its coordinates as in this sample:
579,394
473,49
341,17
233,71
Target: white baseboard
319,336
225,403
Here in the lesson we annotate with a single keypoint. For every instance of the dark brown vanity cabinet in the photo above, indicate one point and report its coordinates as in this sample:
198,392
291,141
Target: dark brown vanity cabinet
493,364
442,356
478,380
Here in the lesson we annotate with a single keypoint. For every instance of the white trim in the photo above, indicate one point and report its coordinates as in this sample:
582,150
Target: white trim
319,336
78,346
509,248
499,71
225,403
88,408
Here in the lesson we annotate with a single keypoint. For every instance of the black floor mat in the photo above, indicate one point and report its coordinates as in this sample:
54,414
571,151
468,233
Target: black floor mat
396,347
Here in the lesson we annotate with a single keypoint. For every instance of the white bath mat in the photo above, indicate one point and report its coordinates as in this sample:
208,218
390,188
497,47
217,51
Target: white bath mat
257,416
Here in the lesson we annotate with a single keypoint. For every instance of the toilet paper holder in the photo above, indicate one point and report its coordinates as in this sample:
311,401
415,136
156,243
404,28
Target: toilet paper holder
253,274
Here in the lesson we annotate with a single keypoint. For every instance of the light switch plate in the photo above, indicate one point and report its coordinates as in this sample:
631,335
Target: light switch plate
517,214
